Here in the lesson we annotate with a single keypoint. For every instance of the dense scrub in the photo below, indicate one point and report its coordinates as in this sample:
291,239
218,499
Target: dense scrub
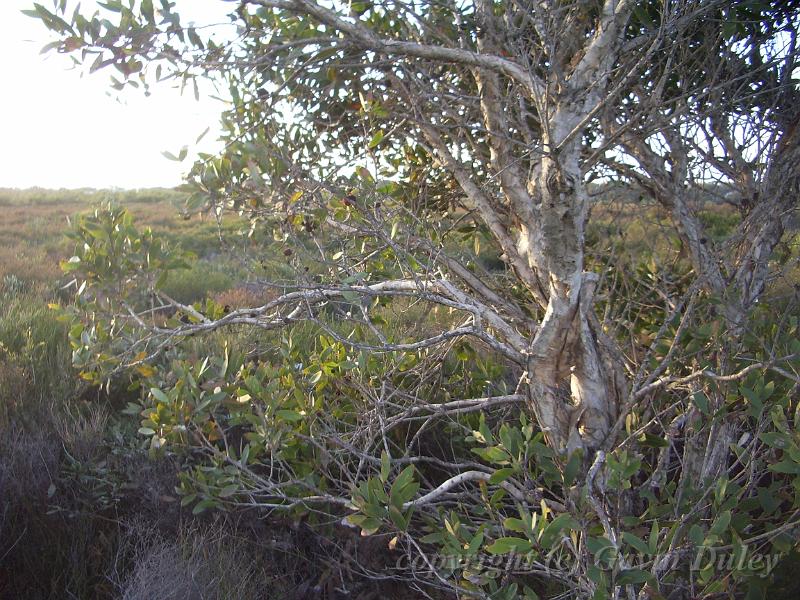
84,512
92,508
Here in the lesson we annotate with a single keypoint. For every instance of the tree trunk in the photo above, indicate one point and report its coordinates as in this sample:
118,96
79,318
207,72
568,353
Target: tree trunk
575,382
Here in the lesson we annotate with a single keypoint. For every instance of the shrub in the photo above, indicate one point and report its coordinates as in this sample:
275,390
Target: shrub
244,297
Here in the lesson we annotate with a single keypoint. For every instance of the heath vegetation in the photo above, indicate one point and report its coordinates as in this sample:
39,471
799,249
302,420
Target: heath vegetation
483,299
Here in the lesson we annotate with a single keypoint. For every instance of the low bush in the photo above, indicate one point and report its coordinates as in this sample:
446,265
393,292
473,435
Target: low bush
244,297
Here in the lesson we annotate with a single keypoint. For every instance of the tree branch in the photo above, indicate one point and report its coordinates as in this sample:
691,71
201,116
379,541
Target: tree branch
365,37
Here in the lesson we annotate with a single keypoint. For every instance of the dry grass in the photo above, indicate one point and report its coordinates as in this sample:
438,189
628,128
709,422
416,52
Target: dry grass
35,358
81,430
200,563
32,241
43,553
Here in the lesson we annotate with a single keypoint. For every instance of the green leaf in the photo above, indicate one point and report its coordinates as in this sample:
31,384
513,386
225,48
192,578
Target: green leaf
513,524
652,543
112,5
779,418
229,490
202,505
475,543
385,466
529,594
360,8
553,529
132,409
787,467
500,475
289,415
635,542
404,495
484,434
701,401
356,520
598,545
721,523
48,47
376,139
369,526
752,398
633,576
597,576
505,545
180,157
398,518
437,537
572,467
405,477
696,535
767,500
350,296
159,395
194,39
495,454
72,264
148,12
776,439
404,488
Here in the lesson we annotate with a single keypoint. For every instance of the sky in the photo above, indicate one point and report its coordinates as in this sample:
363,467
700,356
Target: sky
61,130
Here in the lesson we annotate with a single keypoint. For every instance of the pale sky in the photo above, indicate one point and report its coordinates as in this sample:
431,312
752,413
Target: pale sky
60,130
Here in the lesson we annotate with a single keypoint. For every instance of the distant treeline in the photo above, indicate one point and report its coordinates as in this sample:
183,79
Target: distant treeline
712,192
9,196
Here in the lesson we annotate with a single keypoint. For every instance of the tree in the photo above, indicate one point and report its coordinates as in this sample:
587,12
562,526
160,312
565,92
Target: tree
657,394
